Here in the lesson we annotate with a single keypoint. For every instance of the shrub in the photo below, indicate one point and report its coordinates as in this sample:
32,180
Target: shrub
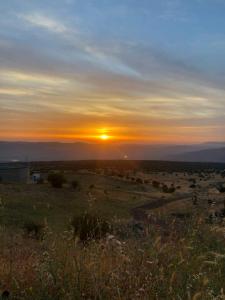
171,189
75,184
155,184
193,180
34,229
193,186
167,189
90,227
139,181
56,179
221,189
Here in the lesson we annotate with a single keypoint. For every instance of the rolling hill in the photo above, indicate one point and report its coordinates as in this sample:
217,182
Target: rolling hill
53,151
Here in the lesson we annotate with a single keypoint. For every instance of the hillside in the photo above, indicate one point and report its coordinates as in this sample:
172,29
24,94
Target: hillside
50,151
207,155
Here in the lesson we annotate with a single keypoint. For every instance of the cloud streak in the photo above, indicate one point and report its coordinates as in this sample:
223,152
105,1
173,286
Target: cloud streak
71,76
44,22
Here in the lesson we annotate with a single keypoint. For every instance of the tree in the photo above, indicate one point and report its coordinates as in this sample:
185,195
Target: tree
56,180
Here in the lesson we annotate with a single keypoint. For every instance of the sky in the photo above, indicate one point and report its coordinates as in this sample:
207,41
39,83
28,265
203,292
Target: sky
139,71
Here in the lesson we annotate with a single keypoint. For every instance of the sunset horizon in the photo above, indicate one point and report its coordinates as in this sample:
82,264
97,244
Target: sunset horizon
153,74
112,149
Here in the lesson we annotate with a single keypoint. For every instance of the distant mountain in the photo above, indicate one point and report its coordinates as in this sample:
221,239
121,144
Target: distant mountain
53,151
207,155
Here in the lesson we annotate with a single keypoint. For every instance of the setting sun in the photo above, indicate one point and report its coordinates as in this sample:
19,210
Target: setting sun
104,137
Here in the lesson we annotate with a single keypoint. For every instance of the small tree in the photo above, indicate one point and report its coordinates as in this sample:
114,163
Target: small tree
75,184
193,186
56,179
139,181
221,189
167,189
155,184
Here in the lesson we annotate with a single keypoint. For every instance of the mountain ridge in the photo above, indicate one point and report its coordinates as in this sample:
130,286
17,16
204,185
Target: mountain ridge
52,151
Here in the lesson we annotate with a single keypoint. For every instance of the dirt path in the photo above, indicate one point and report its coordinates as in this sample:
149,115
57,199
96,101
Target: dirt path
140,212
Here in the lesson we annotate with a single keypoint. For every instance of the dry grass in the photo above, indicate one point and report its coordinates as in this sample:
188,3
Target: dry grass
186,263
169,259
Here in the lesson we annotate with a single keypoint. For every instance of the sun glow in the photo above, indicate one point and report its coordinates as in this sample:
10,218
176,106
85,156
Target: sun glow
104,137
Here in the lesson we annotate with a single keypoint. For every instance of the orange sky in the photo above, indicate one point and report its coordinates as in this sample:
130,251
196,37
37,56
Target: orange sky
149,76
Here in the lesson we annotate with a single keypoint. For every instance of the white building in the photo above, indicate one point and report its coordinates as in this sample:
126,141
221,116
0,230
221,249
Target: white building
36,177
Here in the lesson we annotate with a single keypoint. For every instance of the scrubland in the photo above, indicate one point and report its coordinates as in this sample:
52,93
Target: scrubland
158,244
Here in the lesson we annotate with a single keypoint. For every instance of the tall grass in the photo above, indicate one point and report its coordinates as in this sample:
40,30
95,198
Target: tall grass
185,261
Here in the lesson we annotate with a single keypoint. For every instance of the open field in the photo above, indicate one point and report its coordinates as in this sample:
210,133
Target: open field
112,191
166,240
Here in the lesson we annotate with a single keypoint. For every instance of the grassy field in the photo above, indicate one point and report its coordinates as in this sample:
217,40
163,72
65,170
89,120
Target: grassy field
160,245
41,202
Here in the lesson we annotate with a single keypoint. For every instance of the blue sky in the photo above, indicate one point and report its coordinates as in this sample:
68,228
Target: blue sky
143,71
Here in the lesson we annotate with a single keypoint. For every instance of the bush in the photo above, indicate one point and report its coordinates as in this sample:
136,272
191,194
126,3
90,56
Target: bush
33,229
90,227
56,179
221,189
139,181
155,184
75,184
167,189
192,186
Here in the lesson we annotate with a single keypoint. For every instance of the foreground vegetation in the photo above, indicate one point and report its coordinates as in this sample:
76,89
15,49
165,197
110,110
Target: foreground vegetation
114,234
181,260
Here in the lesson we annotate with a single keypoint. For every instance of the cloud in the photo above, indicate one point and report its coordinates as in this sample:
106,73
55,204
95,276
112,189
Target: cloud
15,92
64,76
33,78
82,46
45,22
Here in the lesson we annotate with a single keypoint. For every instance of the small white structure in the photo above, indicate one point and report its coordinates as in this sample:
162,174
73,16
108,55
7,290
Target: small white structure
35,177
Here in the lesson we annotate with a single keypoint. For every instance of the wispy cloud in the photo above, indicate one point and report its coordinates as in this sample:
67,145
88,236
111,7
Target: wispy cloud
45,22
15,92
35,78
65,66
